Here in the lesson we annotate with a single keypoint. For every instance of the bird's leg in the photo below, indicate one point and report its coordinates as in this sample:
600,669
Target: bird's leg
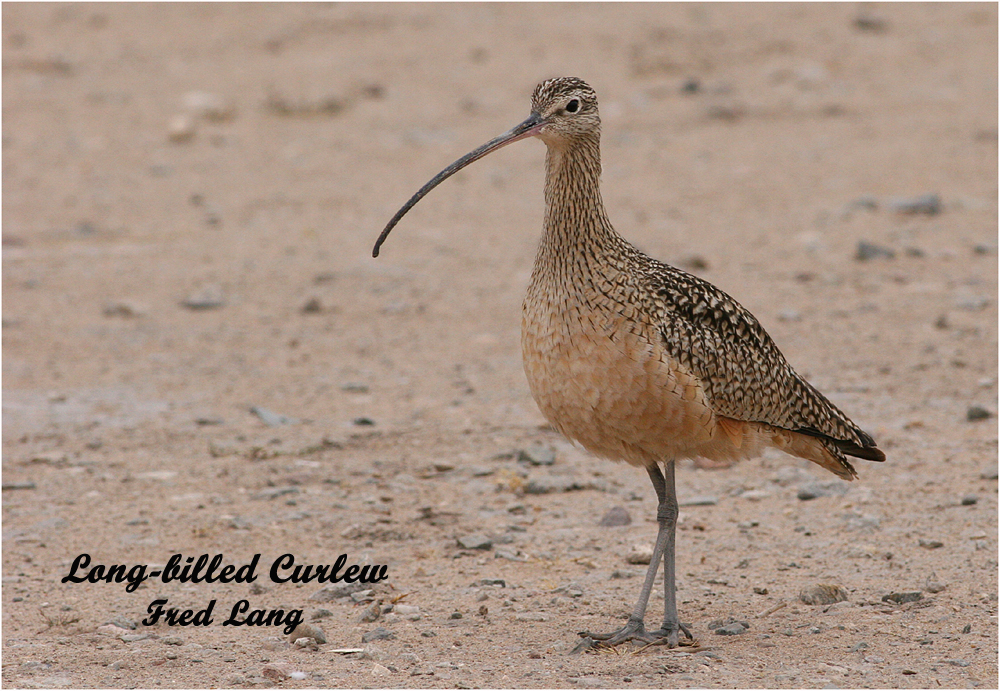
666,516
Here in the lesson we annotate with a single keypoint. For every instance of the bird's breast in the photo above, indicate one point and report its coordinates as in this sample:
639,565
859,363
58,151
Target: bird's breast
599,374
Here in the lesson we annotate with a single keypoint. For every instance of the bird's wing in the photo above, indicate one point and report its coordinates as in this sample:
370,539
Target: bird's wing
744,375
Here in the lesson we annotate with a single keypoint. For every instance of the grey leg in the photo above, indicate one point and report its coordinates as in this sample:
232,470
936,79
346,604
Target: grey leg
666,516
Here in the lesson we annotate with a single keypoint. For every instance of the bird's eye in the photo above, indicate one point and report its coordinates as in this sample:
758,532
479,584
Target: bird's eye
573,106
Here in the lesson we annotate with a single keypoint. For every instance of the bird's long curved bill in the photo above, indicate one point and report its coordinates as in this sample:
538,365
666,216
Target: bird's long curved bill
528,128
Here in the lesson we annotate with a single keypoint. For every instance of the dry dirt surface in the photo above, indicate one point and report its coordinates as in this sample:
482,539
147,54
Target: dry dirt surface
200,356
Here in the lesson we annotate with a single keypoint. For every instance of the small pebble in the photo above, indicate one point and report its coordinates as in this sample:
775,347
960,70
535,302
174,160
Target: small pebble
930,544
379,634
900,598
813,490
537,455
616,516
312,306
823,594
209,297
857,647
475,541
181,129
270,418
958,663
734,629
307,631
371,613
929,204
867,251
976,413
970,500
208,106
871,24
967,628
639,554
277,671
706,500
124,308
455,615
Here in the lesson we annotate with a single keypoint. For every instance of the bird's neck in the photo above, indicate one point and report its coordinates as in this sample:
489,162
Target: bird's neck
576,224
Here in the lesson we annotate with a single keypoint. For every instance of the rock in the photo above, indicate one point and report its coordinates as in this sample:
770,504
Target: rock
206,298
475,541
755,494
958,663
270,418
867,251
871,24
312,306
537,455
970,500
455,615
123,622
335,592
812,490
930,544
18,485
298,676
706,500
275,492
616,516
124,308
989,474
931,584
900,598
553,485
857,647
531,616
371,613
823,594
277,671
380,670
734,629
379,634
490,581
639,554
307,631
976,413
208,106
929,204
181,129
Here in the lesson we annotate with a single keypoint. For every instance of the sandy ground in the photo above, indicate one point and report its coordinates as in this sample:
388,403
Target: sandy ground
190,196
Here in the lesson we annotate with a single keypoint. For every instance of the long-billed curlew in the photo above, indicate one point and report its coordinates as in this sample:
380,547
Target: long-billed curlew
639,361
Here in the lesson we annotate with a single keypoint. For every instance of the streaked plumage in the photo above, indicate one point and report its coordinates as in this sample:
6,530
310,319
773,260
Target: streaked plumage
639,361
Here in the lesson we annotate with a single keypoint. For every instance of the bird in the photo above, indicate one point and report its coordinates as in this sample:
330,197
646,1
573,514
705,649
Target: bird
642,362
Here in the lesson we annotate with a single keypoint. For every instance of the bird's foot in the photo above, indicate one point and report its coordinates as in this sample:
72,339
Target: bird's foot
669,635
634,630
